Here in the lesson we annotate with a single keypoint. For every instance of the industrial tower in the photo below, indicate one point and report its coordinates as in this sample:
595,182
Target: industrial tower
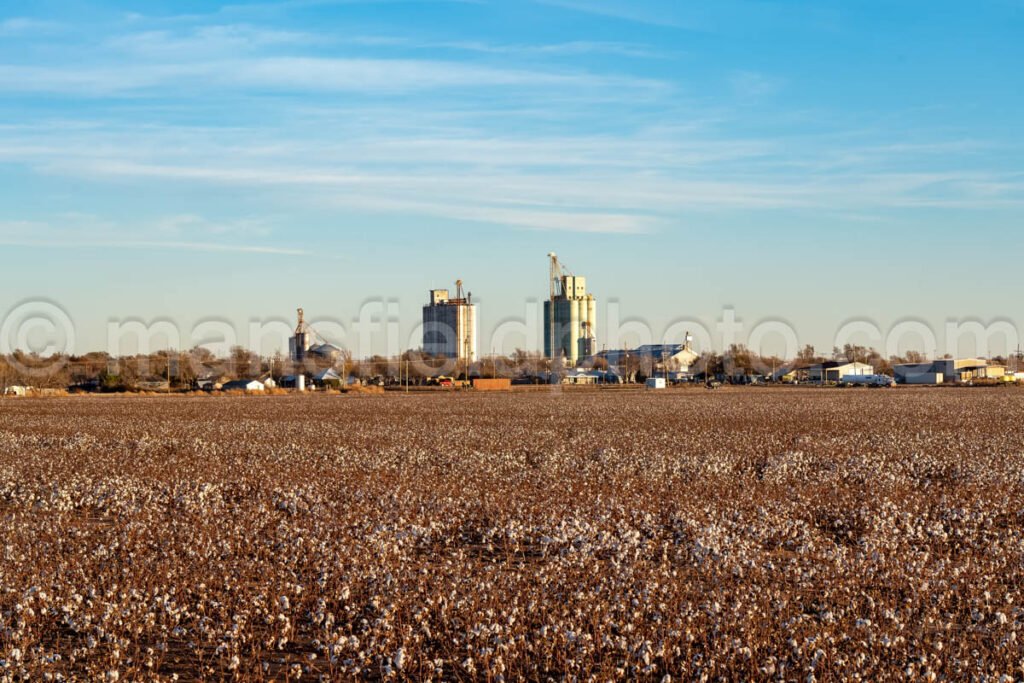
449,325
570,316
298,345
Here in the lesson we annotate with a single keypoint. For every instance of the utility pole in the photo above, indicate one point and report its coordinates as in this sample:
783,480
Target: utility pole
551,306
169,370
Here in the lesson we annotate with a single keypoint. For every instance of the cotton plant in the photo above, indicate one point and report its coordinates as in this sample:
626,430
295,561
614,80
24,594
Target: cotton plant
776,536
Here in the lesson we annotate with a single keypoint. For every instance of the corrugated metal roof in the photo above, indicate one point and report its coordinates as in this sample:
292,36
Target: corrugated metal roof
325,350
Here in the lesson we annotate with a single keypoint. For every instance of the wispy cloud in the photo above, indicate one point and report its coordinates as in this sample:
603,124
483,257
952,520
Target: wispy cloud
186,224
568,49
718,16
668,13
301,74
155,245
24,26
639,182
85,231
493,211
562,221
749,85
504,133
248,8
201,42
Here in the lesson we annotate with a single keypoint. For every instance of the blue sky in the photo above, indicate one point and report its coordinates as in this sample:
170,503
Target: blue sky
813,162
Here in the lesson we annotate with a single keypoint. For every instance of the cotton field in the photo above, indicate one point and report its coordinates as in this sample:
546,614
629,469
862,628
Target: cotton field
684,535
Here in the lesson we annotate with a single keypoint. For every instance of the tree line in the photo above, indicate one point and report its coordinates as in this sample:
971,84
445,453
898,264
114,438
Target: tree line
183,369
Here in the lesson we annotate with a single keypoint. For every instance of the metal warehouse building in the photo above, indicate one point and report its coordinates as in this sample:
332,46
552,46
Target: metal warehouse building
947,370
835,371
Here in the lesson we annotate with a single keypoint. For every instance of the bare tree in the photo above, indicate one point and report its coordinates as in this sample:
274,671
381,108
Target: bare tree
244,363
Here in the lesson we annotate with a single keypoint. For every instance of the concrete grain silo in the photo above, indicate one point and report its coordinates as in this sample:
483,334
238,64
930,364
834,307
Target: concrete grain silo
570,317
450,326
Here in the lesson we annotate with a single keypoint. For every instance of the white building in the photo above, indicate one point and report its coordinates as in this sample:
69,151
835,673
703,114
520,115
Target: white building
675,360
253,385
573,313
449,326
660,358
835,371
577,376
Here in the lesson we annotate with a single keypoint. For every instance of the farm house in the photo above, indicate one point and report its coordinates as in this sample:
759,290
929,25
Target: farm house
581,376
656,357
